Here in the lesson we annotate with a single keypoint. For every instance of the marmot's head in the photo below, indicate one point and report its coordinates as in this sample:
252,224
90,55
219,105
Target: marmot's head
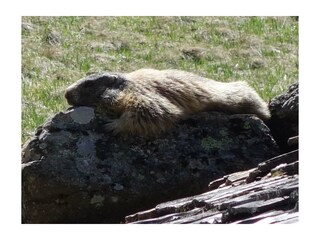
95,90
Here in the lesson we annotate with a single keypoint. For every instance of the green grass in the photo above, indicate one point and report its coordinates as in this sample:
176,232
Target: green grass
57,51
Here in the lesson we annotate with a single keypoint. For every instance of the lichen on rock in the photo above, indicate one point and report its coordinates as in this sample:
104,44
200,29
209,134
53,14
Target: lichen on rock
74,172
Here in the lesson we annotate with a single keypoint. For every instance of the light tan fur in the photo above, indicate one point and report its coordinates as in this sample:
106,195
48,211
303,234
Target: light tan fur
149,102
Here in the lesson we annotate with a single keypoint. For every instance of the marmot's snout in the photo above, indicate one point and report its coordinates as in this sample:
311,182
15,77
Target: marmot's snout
71,98
67,94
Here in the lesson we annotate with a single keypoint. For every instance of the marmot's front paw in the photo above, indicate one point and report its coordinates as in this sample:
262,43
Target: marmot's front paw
111,126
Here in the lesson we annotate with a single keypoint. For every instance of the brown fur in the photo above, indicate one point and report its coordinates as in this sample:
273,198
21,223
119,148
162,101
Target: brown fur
150,101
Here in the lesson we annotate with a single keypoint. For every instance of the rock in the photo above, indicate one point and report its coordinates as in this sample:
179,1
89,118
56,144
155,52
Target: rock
73,172
107,46
257,63
193,53
284,117
52,37
28,27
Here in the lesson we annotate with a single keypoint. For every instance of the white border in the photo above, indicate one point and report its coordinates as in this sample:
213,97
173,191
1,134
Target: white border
11,114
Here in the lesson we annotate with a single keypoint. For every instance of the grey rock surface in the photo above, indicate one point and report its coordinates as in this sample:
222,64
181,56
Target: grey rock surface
73,172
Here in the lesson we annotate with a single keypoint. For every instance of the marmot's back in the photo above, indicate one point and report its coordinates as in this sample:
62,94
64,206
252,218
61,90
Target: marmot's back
150,101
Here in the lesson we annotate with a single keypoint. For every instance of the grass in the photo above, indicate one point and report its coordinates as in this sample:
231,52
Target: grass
57,51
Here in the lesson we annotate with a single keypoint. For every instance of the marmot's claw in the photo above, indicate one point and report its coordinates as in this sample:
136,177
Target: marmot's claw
111,126
108,121
108,127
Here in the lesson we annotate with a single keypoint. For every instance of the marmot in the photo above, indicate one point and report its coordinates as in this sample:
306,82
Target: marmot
149,102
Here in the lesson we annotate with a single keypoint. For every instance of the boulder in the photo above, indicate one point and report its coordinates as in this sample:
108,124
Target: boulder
284,117
73,172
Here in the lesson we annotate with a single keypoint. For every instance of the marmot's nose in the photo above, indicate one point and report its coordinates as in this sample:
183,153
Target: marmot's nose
68,96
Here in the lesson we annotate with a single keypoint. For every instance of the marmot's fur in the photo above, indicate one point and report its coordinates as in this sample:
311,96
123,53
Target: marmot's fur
148,102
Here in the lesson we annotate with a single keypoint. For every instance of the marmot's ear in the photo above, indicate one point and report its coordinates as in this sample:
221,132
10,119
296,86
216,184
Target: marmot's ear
113,77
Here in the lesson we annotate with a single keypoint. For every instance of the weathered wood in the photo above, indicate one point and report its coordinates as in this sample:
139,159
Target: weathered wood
265,167
271,197
231,203
289,169
216,183
293,141
235,177
272,217
232,179
251,208
172,217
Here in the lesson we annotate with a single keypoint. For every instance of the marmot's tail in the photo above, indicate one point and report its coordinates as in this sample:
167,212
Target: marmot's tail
238,97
